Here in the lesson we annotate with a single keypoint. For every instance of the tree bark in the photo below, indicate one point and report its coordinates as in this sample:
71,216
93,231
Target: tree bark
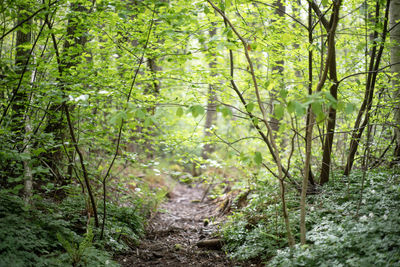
19,103
331,124
20,120
277,69
211,114
395,58
309,131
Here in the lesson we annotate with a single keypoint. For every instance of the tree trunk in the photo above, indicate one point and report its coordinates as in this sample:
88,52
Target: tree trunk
331,124
277,69
395,59
211,115
20,121
330,131
21,58
309,131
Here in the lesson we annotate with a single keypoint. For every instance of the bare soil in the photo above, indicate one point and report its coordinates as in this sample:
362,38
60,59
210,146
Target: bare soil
173,233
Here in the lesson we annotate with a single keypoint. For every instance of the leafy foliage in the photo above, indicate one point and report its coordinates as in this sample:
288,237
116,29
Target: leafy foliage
257,230
98,93
38,236
341,237
337,236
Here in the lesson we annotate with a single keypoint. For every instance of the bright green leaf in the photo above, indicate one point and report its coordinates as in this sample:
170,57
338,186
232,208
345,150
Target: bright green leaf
257,157
279,111
179,112
250,107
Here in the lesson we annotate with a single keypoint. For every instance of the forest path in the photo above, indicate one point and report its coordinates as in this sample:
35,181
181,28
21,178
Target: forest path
174,231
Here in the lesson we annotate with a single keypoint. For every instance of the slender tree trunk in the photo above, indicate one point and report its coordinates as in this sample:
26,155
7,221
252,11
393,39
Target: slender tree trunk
20,120
211,115
309,131
331,124
330,129
19,104
28,185
277,69
395,58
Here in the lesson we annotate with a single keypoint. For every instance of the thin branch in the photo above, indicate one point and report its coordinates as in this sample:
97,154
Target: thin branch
320,15
283,12
15,92
368,72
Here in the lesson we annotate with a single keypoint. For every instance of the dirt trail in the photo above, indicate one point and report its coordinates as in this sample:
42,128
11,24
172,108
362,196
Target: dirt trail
173,233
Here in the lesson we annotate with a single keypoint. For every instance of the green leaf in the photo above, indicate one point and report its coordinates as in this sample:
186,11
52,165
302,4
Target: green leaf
317,108
147,122
332,100
296,107
282,127
283,93
318,111
229,33
228,3
17,188
226,112
118,117
179,112
196,110
257,157
279,111
270,86
250,107
254,45
255,121
267,83
140,114
350,107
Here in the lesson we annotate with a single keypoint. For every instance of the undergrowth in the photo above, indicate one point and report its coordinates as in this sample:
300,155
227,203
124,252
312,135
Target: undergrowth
60,234
344,229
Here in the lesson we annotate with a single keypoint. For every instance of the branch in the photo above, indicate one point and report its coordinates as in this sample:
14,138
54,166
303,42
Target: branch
320,15
283,11
368,72
27,19
15,92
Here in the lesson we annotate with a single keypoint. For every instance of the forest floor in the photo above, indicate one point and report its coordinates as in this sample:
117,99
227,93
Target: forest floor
173,233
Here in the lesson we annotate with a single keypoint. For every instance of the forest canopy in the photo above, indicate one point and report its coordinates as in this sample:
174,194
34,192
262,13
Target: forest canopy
284,114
